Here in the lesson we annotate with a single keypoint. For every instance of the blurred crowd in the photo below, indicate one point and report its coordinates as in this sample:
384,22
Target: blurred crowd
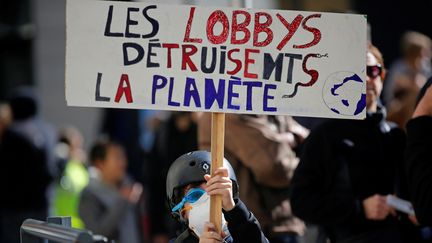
305,180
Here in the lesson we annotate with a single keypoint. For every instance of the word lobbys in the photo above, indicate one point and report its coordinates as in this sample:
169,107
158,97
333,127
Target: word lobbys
262,24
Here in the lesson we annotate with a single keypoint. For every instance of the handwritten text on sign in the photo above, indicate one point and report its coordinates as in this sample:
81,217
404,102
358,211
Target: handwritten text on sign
169,57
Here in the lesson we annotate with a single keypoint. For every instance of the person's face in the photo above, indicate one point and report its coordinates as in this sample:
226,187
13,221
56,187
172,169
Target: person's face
186,208
113,168
183,122
76,140
374,84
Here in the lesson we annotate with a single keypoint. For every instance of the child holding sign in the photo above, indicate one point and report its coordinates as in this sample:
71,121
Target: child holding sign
189,187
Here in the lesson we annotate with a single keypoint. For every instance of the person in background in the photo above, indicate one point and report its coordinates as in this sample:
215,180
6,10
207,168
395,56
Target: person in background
418,156
188,189
25,147
108,204
74,177
149,123
134,131
406,76
262,150
27,122
347,169
176,136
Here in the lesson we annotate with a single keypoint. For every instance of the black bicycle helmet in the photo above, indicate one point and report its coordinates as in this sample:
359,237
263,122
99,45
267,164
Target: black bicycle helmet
190,168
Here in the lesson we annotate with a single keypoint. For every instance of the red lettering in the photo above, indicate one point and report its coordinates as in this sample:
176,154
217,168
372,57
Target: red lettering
240,27
124,89
262,27
188,28
312,72
292,28
237,62
187,52
215,17
316,32
249,61
169,46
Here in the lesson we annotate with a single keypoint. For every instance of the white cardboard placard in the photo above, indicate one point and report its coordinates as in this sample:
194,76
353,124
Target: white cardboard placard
190,58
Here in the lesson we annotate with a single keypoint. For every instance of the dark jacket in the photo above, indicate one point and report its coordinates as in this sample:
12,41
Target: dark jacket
25,175
343,163
419,167
242,225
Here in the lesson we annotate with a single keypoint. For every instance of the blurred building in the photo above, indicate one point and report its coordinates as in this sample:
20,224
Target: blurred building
16,40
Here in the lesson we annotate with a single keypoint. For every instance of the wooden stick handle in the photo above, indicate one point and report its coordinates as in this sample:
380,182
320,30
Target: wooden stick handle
217,153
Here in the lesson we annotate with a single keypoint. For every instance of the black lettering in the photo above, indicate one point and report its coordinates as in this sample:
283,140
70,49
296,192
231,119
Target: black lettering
153,22
98,97
130,22
138,58
291,64
150,52
270,65
204,60
108,24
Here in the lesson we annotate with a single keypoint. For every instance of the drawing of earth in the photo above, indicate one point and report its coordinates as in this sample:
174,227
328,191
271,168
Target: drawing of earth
344,93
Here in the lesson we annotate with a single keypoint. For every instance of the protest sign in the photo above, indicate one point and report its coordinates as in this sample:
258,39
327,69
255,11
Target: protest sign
220,60
169,57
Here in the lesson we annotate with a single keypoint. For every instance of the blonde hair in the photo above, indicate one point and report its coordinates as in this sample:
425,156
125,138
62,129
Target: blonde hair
378,55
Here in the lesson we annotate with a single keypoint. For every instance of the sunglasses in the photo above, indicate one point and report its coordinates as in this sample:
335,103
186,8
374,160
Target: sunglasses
373,71
192,196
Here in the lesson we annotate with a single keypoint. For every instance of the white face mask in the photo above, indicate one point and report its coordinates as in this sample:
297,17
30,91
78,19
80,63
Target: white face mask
200,213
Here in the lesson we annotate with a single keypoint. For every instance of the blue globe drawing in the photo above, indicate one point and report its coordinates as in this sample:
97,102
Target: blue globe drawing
344,93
